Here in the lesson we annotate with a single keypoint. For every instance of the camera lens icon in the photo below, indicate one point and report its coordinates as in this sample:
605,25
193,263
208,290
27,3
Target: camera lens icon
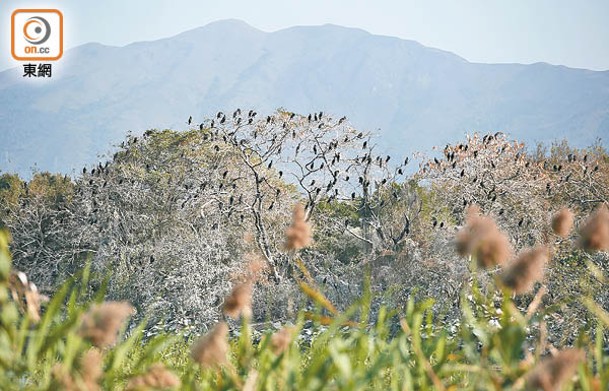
36,30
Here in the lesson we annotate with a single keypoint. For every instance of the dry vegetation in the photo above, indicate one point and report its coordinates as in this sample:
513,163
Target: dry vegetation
307,261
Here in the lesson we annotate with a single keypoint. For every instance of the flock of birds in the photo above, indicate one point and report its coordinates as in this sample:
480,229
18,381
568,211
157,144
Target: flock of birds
326,163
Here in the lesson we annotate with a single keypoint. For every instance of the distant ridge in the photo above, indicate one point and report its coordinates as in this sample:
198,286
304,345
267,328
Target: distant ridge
415,96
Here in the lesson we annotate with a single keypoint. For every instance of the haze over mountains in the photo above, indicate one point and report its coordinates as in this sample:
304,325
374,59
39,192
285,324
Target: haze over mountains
415,96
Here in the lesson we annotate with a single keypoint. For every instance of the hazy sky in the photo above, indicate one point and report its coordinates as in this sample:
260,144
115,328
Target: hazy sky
568,32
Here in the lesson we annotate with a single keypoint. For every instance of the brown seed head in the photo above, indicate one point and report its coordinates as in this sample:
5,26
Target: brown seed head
91,368
102,322
551,373
26,295
298,235
85,378
482,239
157,377
239,302
562,222
281,340
522,273
595,231
250,382
212,349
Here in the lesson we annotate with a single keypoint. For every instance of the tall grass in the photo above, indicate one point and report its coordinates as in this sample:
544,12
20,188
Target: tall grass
76,341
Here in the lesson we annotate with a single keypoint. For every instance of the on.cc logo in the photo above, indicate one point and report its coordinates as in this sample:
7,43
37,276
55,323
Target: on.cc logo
37,34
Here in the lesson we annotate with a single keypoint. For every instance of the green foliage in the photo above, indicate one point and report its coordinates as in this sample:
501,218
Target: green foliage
492,348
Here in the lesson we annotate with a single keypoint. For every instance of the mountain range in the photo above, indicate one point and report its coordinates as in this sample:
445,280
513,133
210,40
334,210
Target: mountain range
413,96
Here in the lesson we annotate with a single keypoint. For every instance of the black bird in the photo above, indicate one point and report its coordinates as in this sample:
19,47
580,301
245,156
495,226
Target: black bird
280,174
353,195
84,170
365,144
224,174
520,222
223,120
400,171
436,161
462,173
406,161
270,165
201,125
309,118
190,120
